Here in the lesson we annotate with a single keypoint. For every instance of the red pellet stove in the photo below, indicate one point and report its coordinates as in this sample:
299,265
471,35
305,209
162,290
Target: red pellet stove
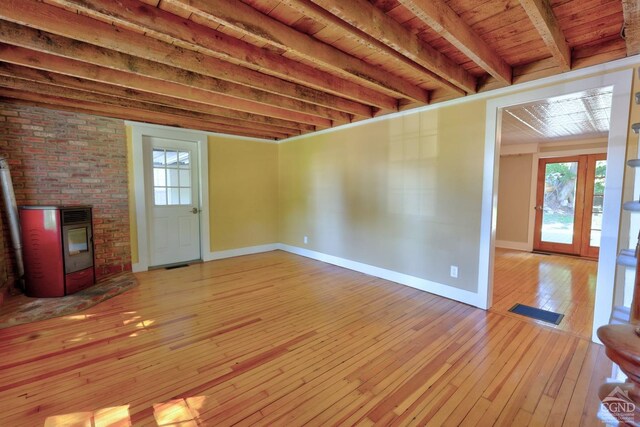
57,249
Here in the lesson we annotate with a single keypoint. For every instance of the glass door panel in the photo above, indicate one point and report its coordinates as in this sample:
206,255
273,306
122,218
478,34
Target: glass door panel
594,198
598,198
559,202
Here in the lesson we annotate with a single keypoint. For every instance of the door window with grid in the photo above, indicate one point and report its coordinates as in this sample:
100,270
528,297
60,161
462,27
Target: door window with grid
171,177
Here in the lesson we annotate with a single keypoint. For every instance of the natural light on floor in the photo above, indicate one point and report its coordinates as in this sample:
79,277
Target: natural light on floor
183,412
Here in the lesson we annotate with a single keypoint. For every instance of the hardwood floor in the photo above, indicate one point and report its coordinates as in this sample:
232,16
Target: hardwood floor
280,340
557,283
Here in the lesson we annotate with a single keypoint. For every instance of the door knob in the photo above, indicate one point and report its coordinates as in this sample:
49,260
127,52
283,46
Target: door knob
195,210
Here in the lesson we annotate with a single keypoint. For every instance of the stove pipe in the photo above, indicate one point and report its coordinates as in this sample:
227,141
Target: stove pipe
12,214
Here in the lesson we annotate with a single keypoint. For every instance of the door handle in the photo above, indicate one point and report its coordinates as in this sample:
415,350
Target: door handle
539,208
195,210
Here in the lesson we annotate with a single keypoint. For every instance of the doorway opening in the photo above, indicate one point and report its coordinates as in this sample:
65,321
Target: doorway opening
550,205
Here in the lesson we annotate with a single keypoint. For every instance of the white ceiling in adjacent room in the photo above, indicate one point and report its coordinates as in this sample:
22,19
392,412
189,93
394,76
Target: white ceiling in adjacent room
581,115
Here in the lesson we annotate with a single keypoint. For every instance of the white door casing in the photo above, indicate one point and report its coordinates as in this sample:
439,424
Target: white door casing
172,197
138,132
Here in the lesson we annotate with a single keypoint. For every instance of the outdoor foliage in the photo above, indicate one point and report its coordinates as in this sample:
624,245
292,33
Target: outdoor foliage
601,171
560,183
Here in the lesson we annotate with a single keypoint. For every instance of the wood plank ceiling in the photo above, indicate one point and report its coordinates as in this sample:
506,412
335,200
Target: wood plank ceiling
278,68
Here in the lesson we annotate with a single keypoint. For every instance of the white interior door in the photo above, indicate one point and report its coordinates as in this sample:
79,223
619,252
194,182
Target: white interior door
172,195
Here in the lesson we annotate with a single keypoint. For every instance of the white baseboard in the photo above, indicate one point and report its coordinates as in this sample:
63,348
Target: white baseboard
138,267
518,246
211,256
440,289
241,251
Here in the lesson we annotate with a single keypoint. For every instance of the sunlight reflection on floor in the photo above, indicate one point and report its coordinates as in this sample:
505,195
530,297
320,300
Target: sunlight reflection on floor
174,411
75,419
78,317
177,412
112,417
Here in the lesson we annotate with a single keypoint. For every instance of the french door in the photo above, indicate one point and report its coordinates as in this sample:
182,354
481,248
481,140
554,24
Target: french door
569,204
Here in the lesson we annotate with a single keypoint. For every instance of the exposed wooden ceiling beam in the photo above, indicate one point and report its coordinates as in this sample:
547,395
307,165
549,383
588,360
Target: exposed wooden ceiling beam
119,113
318,14
160,110
439,16
162,25
103,93
542,17
165,81
244,18
209,70
370,19
631,11
127,113
582,57
236,118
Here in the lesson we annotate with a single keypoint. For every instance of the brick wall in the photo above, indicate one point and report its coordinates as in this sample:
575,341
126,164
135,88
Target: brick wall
63,158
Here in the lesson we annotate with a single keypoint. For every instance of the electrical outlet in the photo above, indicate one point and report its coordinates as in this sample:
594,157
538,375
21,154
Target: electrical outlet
306,240
454,271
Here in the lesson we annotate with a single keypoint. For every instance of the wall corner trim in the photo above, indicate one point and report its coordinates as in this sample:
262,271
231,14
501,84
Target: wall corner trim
435,288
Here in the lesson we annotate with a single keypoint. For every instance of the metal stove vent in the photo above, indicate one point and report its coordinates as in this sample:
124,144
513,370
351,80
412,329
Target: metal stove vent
75,216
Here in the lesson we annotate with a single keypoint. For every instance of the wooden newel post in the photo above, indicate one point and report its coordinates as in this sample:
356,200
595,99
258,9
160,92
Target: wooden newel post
622,343
622,400
634,314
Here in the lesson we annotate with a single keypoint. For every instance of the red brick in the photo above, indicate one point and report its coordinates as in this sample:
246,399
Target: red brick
17,120
32,127
29,150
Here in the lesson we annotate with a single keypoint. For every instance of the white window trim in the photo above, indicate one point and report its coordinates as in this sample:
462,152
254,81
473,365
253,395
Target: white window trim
616,152
140,130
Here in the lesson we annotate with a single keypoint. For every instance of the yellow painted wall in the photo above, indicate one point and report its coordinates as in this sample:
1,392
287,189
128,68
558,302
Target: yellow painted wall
243,188
514,191
402,194
133,222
